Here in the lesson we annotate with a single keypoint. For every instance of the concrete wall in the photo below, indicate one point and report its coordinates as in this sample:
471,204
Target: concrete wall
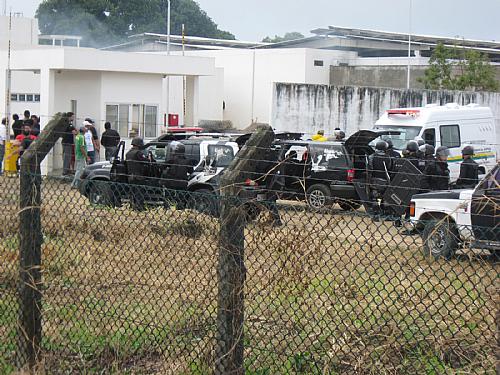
376,76
249,76
308,108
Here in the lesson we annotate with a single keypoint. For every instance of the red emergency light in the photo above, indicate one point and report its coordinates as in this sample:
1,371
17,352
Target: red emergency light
404,111
172,129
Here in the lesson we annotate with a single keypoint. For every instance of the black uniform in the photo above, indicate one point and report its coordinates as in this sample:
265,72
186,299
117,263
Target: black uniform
137,167
436,175
379,169
469,174
175,177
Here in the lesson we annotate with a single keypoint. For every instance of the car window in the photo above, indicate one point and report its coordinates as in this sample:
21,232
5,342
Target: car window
222,153
429,136
491,181
327,157
159,152
450,135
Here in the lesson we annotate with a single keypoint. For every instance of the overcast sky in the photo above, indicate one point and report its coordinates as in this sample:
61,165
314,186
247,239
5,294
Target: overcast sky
254,19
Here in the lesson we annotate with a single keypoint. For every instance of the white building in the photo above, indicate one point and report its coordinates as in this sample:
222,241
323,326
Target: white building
127,89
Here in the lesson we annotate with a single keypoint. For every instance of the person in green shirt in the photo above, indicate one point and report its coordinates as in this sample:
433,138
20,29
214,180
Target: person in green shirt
81,156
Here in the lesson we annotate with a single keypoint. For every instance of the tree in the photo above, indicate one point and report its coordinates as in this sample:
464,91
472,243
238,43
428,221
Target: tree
459,69
103,22
288,36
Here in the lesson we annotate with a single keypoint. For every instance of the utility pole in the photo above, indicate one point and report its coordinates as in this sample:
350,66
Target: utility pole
409,47
168,54
8,78
184,85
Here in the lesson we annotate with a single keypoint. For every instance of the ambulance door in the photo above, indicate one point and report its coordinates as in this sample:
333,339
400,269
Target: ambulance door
450,136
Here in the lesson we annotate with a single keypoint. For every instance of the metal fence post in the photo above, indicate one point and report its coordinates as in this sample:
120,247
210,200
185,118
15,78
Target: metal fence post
231,265
30,239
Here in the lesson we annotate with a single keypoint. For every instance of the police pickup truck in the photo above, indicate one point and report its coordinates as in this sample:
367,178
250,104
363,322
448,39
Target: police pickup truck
450,219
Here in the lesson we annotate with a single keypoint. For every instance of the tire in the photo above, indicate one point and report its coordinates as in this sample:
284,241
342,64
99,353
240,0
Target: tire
349,205
440,239
99,193
318,196
205,201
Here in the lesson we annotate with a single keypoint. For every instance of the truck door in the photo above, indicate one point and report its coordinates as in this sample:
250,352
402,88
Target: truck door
485,208
449,135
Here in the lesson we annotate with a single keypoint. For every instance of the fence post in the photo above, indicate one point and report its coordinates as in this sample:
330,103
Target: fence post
30,239
231,267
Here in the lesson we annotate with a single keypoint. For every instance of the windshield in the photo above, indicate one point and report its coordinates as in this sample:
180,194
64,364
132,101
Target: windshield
408,133
222,153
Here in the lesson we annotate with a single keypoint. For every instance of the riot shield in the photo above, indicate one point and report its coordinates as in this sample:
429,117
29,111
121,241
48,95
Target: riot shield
406,183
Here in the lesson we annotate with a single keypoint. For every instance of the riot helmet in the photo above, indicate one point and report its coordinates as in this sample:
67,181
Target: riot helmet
390,145
138,142
412,146
429,150
468,150
420,141
381,146
442,151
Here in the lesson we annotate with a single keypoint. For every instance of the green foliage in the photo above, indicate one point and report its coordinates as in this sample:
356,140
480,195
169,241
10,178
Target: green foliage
103,22
459,69
288,36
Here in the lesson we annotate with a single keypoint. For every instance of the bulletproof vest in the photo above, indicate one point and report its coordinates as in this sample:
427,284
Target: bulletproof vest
135,164
380,162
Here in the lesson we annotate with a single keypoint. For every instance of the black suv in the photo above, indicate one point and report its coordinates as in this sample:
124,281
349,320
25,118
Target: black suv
323,173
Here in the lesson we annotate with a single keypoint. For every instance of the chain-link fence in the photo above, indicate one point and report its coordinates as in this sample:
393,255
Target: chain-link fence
325,292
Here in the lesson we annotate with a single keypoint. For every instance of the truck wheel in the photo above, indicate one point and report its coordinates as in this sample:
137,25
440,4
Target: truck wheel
99,193
440,239
318,196
205,201
347,205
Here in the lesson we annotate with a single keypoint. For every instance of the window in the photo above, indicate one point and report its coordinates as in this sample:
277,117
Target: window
324,158
429,137
223,154
159,152
318,62
150,122
132,120
193,153
21,97
29,97
13,97
37,99
450,136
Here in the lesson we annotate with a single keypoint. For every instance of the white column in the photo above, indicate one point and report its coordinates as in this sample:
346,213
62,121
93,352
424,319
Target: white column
192,101
47,91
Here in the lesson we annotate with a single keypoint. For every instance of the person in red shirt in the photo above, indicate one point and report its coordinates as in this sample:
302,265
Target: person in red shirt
23,141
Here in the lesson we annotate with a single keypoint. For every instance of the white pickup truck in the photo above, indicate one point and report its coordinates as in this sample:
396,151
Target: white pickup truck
451,219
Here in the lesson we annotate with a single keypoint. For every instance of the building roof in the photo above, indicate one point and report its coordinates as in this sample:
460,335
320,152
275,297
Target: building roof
193,42
492,48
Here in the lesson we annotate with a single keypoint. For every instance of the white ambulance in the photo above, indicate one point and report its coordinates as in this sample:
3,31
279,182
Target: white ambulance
451,125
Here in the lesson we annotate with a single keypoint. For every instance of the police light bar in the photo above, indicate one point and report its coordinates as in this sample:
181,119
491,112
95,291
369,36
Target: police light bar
404,111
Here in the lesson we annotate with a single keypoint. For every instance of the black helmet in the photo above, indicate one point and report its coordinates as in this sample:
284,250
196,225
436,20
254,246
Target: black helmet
412,146
138,142
468,150
390,145
381,146
420,141
442,151
429,150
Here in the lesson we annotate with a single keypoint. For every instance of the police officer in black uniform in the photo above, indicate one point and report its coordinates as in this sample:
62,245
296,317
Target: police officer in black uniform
379,169
390,149
414,155
137,167
175,176
436,173
469,169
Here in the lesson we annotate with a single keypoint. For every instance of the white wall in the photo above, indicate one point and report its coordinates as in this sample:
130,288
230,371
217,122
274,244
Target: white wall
24,32
211,96
249,76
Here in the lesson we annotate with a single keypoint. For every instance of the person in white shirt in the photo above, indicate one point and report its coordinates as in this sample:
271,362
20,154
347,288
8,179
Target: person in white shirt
3,139
89,142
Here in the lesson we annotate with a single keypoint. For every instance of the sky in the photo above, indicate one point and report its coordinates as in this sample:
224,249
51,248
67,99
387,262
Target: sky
252,20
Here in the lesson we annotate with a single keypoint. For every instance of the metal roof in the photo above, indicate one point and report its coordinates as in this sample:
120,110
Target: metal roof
403,37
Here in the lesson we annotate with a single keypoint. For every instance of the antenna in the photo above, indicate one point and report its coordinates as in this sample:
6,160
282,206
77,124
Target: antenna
4,7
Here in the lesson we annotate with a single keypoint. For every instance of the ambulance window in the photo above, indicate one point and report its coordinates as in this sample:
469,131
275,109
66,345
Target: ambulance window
450,135
429,137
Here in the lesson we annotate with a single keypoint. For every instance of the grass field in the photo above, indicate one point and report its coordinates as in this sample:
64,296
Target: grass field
128,292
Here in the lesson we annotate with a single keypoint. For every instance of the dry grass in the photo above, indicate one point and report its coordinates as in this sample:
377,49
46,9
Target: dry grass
129,292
